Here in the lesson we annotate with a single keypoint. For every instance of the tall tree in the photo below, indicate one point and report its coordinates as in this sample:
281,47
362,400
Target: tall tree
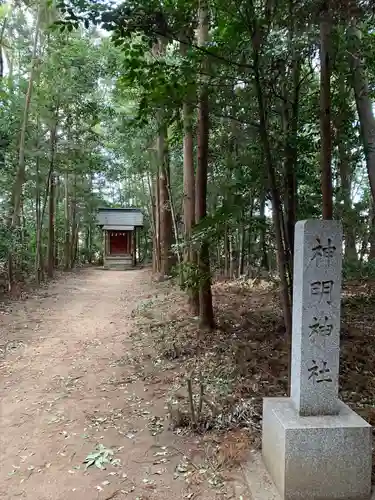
20,174
363,101
278,220
206,313
325,109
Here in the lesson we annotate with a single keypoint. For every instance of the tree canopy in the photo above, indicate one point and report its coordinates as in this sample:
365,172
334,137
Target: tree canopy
224,121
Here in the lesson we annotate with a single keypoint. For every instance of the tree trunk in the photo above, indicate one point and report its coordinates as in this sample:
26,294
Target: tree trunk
226,252
363,103
157,224
51,227
343,124
174,223
189,188
51,215
291,158
189,174
20,174
368,243
275,196
57,202
231,256
348,215
262,240
290,125
2,32
372,237
38,226
87,243
166,230
74,224
4,134
154,225
66,223
206,313
249,246
75,244
74,240
89,227
189,197
241,248
325,112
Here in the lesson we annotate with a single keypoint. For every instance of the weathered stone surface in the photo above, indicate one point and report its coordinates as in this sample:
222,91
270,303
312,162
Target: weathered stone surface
316,458
316,317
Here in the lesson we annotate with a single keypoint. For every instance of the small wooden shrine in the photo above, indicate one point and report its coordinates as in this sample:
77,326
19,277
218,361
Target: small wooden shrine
119,226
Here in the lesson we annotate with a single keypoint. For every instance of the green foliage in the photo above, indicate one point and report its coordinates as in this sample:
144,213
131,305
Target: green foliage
353,270
101,457
106,98
189,276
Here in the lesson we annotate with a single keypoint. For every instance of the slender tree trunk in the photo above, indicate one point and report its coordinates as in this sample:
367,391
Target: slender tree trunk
20,174
231,255
74,224
51,216
368,243
249,259
153,218
291,158
166,231
348,216
90,226
275,196
343,123
87,243
364,103
372,238
51,227
241,248
262,240
189,177
74,244
325,111
2,32
174,221
226,251
157,224
38,226
248,247
57,204
189,174
206,313
66,223
290,125
189,197
4,134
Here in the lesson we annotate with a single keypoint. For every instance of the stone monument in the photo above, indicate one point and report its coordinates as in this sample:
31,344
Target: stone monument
313,445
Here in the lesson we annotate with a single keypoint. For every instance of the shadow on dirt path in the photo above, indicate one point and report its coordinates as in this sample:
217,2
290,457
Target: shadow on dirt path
69,382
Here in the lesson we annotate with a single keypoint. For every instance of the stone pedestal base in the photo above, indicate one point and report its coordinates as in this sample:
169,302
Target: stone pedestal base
316,458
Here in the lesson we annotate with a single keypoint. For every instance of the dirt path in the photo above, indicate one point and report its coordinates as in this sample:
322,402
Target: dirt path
70,381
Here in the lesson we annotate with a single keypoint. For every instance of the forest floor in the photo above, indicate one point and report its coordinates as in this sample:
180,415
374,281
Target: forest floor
96,367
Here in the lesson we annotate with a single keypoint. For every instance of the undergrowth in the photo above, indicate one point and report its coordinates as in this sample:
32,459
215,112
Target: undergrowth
245,358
